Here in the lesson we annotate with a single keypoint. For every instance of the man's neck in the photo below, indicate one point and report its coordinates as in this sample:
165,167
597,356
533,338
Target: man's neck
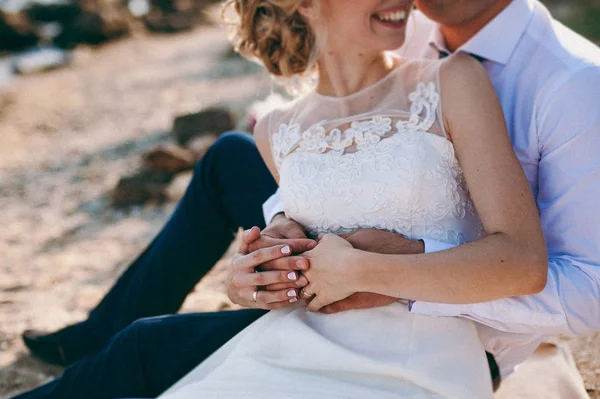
457,35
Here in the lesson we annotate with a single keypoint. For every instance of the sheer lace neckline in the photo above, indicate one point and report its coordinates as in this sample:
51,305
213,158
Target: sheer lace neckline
365,89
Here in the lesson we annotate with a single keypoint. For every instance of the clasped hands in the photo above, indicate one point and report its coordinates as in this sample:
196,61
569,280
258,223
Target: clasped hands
273,266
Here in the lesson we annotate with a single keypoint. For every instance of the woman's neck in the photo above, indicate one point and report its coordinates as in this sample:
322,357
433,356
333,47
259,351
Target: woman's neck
342,74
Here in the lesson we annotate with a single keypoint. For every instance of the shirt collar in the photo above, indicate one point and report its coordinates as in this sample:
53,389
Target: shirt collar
497,40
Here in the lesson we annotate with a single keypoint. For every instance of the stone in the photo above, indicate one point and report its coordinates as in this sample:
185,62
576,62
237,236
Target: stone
16,32
170,16
144,186
169,158
53,11
211,121
95,27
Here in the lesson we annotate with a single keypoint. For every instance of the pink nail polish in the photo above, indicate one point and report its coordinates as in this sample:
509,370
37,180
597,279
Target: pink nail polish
286,250
293,300
291,293
292,276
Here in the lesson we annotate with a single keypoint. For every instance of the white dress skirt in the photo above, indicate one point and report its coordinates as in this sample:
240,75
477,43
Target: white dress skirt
373,353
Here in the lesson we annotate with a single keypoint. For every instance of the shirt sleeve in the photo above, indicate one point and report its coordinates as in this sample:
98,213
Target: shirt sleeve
272,207
435,246
568,199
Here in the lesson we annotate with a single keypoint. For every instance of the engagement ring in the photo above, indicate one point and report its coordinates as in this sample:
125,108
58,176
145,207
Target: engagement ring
305,295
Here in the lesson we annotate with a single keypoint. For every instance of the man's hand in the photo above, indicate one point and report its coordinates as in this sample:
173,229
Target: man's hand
282,230
243,280
383,242
377,241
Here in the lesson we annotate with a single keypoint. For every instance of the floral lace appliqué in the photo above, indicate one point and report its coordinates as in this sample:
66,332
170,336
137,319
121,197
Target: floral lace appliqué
363,133
400,177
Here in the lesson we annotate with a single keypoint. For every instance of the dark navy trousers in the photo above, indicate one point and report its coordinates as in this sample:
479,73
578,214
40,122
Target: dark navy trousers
121,359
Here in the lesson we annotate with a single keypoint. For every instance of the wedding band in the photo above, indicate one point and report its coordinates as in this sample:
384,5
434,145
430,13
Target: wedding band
305,295
255,296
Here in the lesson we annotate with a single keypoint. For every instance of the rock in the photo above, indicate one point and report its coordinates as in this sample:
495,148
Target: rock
54,11
212,121
169,158
170,16
168,22
16,31
94,27
140,188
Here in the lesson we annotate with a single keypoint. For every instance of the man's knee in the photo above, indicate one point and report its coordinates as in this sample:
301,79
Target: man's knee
134,335
230,145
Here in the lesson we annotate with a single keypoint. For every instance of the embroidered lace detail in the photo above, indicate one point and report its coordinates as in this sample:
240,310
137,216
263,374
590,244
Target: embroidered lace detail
362,134
424,101
401,176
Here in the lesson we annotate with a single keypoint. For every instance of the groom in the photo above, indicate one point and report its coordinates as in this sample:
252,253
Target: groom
547,79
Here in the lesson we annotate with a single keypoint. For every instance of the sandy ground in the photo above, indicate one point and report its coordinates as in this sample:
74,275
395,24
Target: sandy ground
66,138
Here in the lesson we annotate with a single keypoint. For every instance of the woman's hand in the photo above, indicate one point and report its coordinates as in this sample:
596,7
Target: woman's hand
251,288
331,275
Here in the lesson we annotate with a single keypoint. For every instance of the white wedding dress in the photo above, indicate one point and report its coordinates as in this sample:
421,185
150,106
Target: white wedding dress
377,158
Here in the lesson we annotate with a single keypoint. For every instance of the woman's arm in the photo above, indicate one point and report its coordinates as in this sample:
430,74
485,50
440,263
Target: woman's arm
511,260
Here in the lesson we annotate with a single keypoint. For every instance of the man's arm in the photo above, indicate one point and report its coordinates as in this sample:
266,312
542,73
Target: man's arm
568,196
377,241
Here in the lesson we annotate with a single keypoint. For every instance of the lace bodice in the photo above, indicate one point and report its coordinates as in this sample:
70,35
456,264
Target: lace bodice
379,158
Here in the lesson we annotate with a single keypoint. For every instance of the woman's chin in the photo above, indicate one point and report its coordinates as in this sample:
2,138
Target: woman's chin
391,44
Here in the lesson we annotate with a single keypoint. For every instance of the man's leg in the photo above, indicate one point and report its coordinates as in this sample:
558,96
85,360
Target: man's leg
147,357
227,191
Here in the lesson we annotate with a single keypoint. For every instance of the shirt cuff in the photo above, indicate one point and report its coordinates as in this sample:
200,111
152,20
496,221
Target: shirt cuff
436,246
272,207
503,314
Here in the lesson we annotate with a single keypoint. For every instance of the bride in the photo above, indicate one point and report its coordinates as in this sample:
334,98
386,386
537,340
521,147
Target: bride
377,144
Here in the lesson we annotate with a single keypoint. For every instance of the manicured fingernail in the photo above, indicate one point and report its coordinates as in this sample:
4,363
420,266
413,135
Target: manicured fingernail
293,300
292,293
286,250
312,245
300,264
292,276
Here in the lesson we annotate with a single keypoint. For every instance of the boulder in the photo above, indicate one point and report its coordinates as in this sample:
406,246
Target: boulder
169,158
141,187
16,32
63,12
169,16
95,27
209,122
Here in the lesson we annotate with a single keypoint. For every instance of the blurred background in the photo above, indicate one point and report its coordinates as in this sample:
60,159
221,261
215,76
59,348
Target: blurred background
105,106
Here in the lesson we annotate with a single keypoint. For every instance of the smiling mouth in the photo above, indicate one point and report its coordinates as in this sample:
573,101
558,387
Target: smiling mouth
392,16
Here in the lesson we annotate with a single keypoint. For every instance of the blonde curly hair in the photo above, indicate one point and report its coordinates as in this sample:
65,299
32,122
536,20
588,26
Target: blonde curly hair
274,33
